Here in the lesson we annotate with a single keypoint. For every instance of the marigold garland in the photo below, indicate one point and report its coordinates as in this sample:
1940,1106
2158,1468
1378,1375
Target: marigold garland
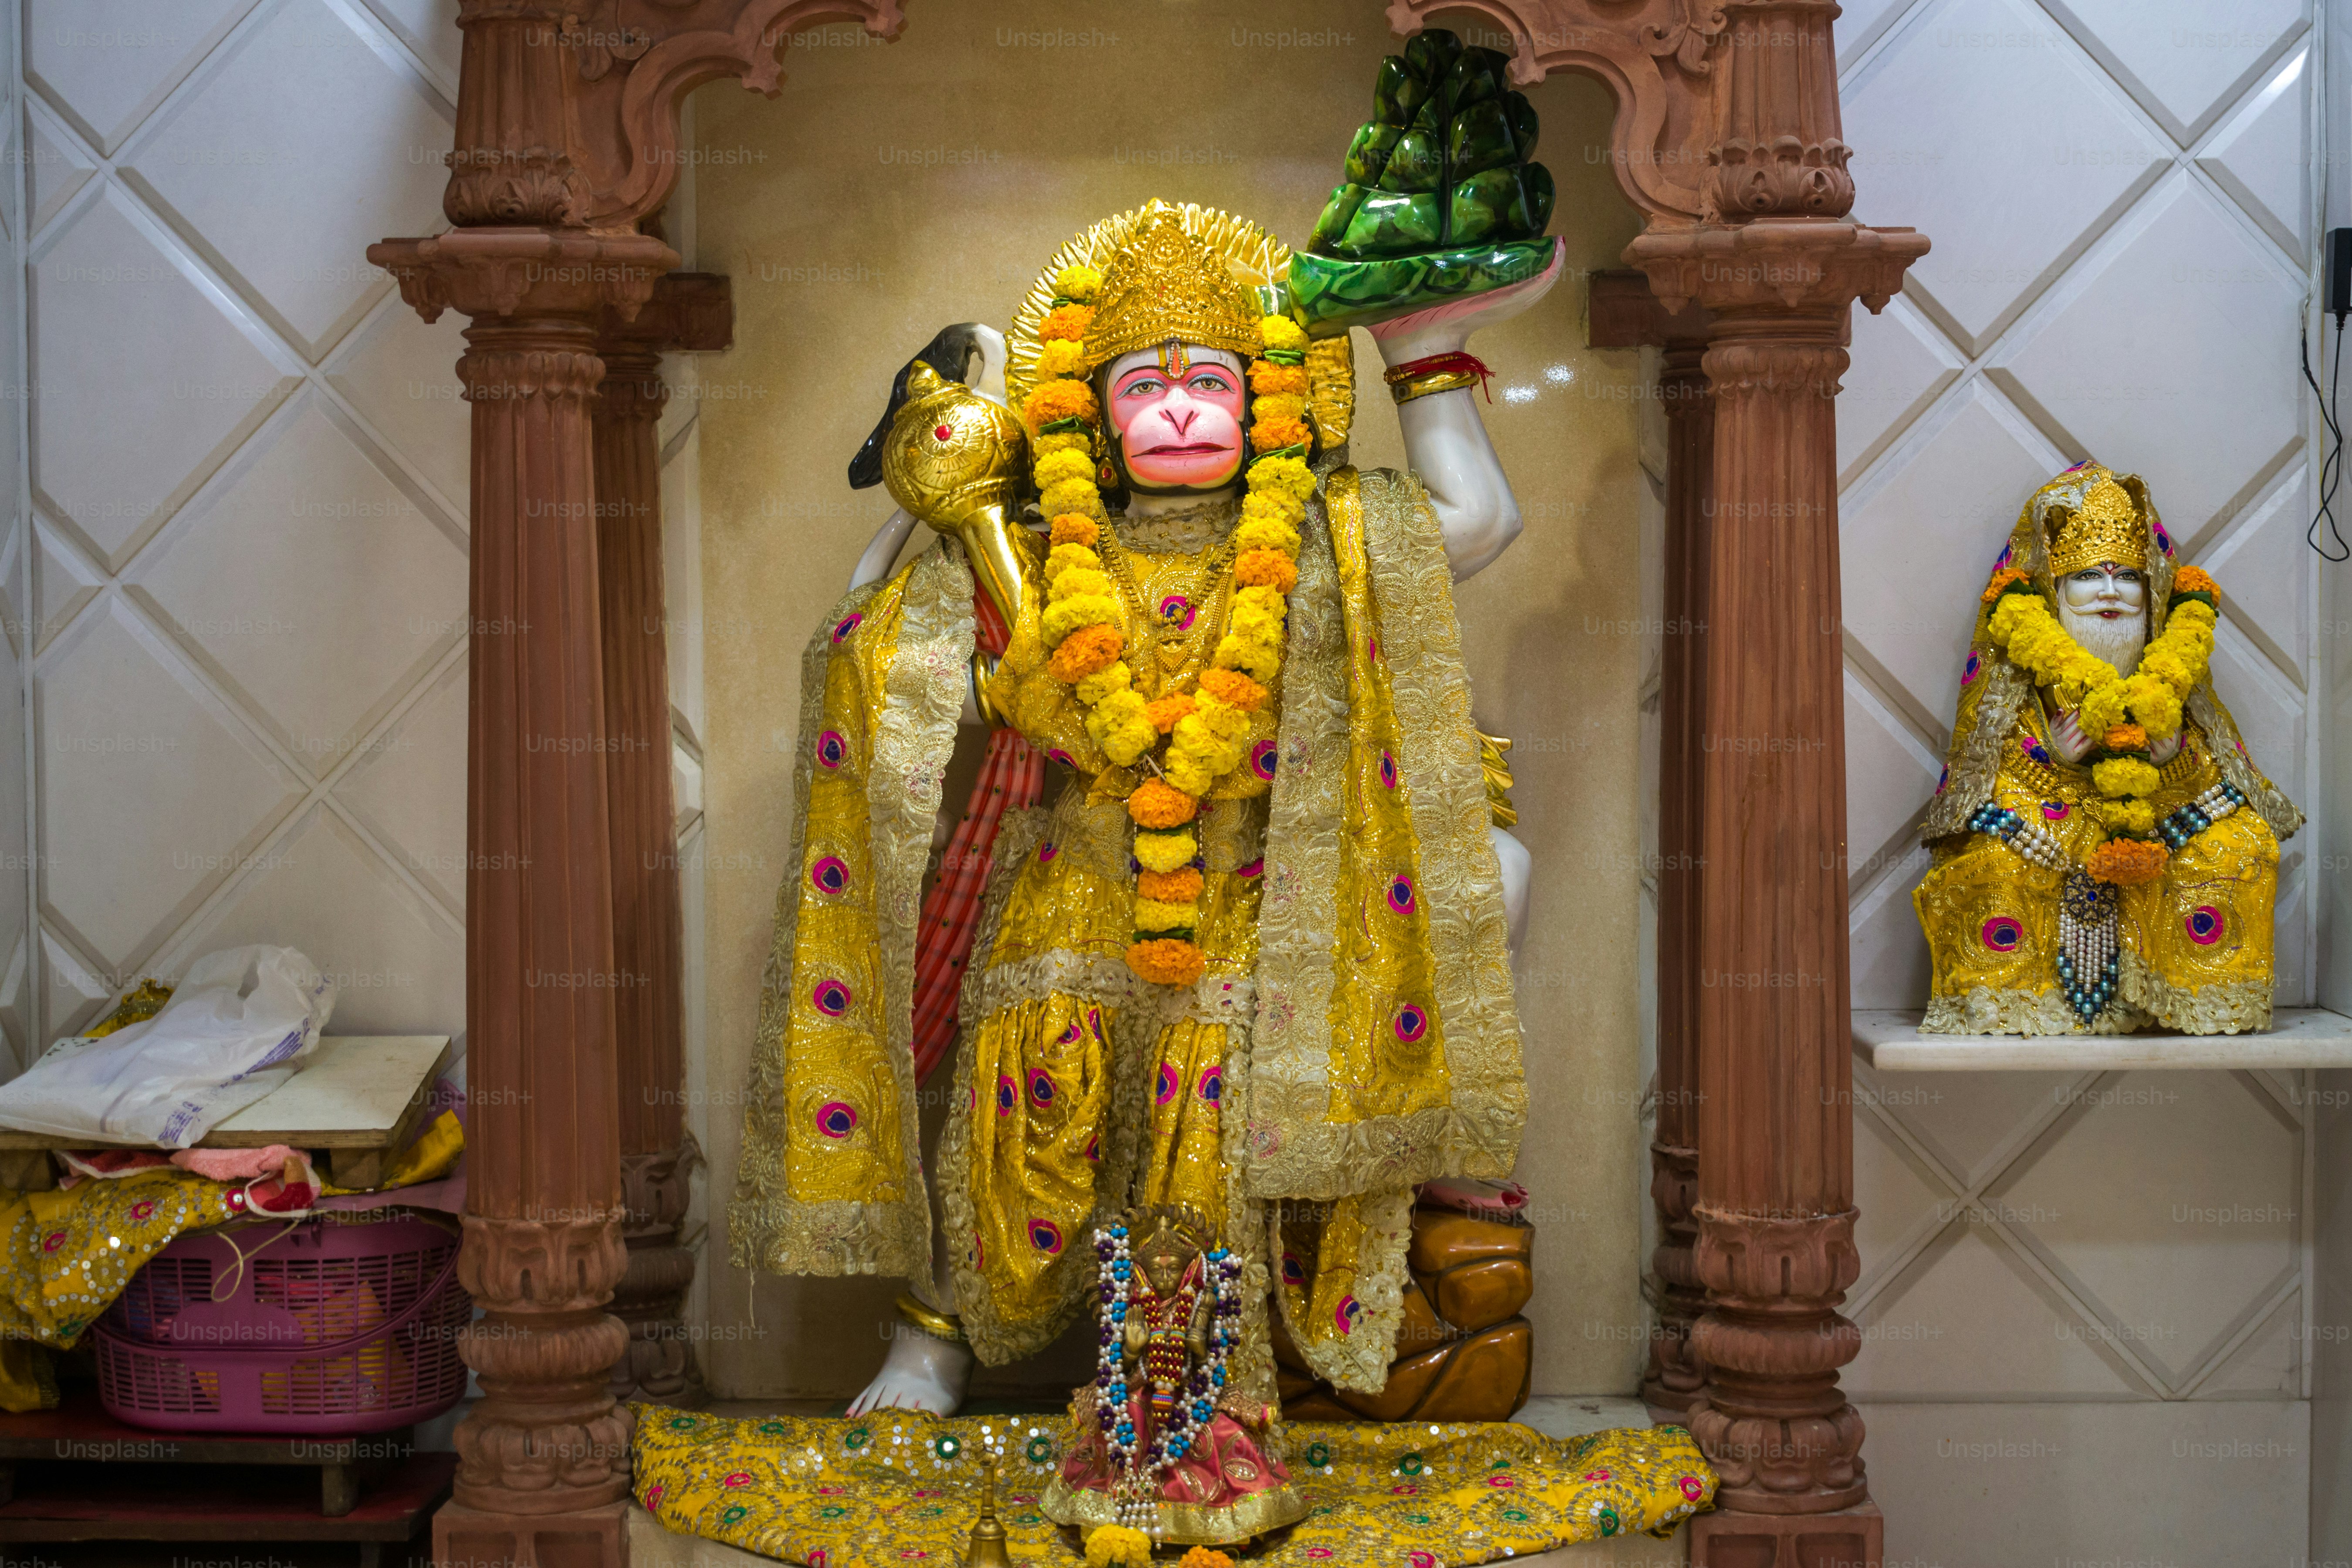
2126,712
1115,1545
1206,730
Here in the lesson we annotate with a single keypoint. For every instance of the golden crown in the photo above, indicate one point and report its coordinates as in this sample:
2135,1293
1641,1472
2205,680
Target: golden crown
2106,526
1163,287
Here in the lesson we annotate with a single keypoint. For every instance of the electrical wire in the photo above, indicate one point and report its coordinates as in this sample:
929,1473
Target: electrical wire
2331,472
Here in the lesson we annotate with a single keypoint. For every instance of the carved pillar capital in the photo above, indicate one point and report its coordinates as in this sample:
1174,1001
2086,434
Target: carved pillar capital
1781,150
525,273
1776,264
512,162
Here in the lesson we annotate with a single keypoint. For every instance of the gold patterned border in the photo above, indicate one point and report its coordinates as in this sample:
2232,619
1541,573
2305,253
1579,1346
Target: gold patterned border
1181,1523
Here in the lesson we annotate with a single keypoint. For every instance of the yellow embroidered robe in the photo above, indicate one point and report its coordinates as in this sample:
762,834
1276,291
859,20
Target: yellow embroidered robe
1355,1032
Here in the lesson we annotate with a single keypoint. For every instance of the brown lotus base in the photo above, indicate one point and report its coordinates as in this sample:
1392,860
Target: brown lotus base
1851,1538
591,1538
1462,1352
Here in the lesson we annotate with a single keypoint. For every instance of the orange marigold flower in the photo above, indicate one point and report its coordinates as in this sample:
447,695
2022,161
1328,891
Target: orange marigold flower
1233,688
2127,862
1071,528
1084,651
1155,805
1164,712
1201,1557
2000,580
1267,378
2125,738
2195,580
1266,569
1067,323
1060,400
1167,961
1272,434
1181,886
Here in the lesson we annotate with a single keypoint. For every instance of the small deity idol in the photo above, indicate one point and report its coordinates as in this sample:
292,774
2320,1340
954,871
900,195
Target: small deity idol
1160,1441
2106,851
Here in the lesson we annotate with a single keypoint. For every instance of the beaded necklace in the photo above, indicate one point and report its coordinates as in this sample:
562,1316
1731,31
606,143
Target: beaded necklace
1180,1402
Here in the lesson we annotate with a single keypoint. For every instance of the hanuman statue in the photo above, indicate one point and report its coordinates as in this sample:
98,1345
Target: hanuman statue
2105,853
1254,955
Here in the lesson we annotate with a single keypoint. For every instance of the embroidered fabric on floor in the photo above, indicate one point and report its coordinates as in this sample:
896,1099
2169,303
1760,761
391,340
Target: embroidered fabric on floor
900,1487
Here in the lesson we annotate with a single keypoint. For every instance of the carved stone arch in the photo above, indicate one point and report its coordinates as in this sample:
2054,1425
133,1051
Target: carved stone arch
1727,136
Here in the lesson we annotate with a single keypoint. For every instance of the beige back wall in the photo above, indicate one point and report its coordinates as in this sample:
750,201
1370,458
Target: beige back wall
893,189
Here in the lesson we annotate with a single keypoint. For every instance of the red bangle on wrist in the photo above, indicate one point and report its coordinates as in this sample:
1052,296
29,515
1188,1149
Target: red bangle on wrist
1455,364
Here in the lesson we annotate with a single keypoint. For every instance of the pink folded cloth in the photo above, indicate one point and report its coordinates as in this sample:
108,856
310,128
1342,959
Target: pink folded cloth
238,1165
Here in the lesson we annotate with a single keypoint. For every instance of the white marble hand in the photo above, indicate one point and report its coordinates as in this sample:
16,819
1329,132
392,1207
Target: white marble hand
1445,442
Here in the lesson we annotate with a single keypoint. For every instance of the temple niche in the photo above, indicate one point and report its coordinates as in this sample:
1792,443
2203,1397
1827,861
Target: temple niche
851,241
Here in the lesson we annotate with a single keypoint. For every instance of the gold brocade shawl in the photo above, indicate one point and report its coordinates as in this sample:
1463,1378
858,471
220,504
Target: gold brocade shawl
1385,1050
1994,692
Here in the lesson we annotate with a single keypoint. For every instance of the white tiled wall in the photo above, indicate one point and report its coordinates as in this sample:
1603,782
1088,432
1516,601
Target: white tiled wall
2086,1298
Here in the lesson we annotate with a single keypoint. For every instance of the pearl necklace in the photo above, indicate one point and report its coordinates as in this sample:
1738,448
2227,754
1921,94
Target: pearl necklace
1142,1466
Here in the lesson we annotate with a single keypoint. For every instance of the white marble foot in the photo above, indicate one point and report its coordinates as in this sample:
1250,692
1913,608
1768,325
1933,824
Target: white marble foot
921,1372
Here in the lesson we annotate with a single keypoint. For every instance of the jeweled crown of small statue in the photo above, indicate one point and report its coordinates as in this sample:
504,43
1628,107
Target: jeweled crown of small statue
2108,526
1165,286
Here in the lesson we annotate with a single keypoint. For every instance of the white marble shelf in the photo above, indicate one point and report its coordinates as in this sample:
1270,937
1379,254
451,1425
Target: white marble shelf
2298,1038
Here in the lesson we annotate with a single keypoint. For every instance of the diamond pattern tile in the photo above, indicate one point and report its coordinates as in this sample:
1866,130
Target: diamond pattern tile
2183,62
104,64
402,377
150,793
1886,961
399,958
2206,408
2172,1250
1899,363
299,114
407,786
64,584
57,168
311,585
2261,153
2270,713
430,28
2262,561
1976,1122
1886,765
123,341
1970,1319
2008,150
1937,520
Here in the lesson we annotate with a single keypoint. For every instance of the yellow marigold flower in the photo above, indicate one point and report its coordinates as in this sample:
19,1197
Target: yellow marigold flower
1151,914
1066,323
1062,619
1113,677
1194,742
1073,529
1264,532
1265,376
1165,851
1281,332
1157,807
1081,583
1077,281
1071,494
1059,359
1282,475
1058,467
1060,400
1262,660
1234,690
2120,776
1226,722
1279,406
1272,434
1164,962
1181,886
1115,1545
1087,651
1260,601
1124,745
2103,708
1062,558
1265,568
1190,772
1063,441
2124,815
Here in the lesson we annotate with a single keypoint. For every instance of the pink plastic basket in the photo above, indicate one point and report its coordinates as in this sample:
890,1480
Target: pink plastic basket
310,1327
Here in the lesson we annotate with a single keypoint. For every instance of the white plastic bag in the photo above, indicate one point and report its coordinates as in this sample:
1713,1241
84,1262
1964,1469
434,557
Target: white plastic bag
230,1034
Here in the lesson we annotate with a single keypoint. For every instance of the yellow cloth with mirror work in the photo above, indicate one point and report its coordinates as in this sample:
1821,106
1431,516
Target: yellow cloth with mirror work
1354,1034
900,1487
